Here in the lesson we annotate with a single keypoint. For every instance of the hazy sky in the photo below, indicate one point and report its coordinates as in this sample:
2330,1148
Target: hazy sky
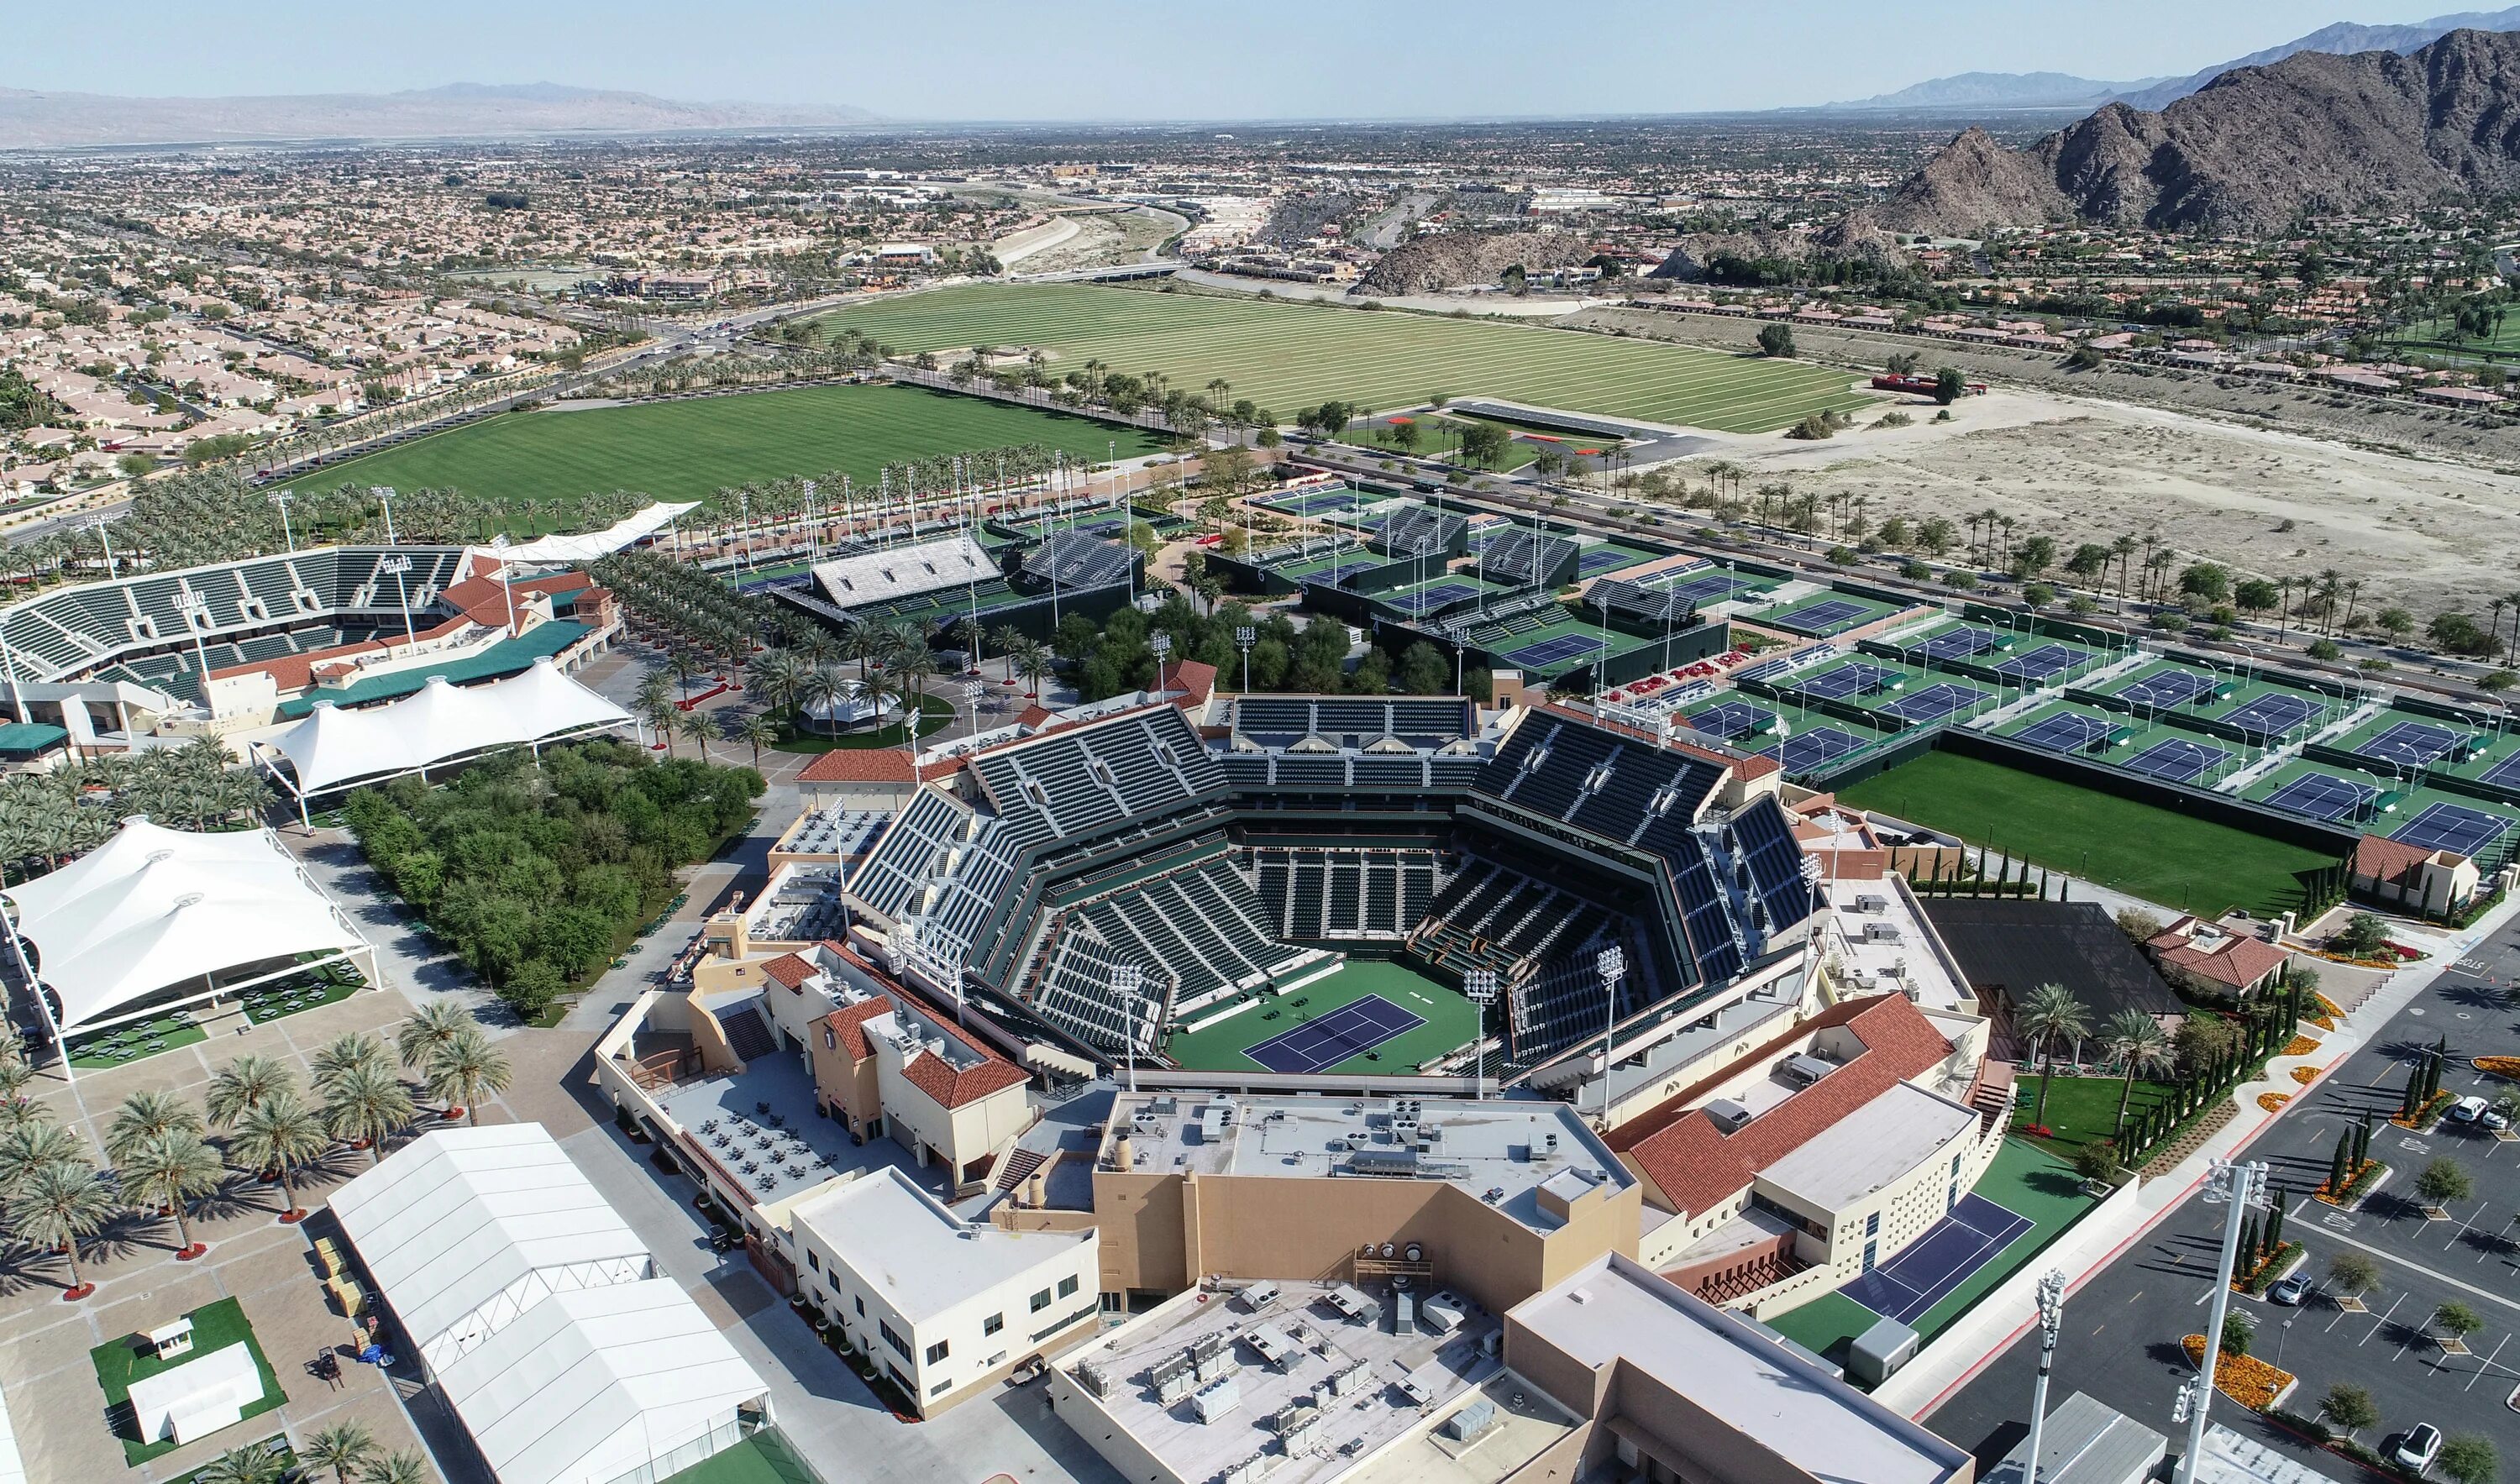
1197,58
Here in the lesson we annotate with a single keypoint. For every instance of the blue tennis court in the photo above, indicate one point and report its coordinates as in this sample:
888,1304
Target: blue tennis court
2453,828
1435,597
1552,650
1810,749
2322,796
2170,688
1958,643
1730,719
2175,759
2065,732
2270,715
1597,560
1326,1041
1830,617
1853,679
2506,772
2410,744
1934,702
1714,587
1925,1273
2039,665
1320,502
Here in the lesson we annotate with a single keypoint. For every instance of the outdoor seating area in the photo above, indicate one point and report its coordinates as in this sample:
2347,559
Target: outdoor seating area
326,985
124,1044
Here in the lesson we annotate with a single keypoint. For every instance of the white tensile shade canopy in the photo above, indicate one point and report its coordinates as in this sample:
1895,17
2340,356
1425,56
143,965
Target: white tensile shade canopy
440,723
593,543
153,908
539,1312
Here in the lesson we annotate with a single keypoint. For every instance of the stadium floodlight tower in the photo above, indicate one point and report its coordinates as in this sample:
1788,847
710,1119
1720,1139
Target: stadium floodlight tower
2051,1317
400,566
1126,979
1811,873
1479,987
971,690
1161,645
1613,961
2237,1187
196,610
282,499
1245,636
384,497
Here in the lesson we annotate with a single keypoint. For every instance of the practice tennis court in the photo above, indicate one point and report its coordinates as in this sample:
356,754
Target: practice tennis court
2176,759
2453,828
2065,732
1317,502
1437,595
1326,1041
1810,749
1712,588
2410,744
1597,560
1935,703
1934,1264
1958,643
1833,616
2170,688
2506,772
1555,649
2322,796
2272,715
1730,719
1854,679
2039,664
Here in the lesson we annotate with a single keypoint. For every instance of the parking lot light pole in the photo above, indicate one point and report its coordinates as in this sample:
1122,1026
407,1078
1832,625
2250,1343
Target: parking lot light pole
2237,1186
2051,1317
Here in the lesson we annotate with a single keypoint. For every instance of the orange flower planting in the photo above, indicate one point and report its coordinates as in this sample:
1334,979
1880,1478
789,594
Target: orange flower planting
2499,1066
2300,1046
2244,1378
2305,1075
2273,1101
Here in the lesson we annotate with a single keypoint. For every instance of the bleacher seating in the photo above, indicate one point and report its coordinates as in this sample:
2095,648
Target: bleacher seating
1074,995
1072,784
1079,559
1562,1003
1771,864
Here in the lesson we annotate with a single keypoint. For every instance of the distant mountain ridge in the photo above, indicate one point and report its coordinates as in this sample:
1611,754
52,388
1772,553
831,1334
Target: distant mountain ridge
1981,91
36,120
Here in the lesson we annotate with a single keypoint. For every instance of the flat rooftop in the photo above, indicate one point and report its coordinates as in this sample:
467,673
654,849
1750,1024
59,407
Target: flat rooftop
1883,1141
1324,1343
790,1147
1615,1310
1500,1150
919,1257
1913,961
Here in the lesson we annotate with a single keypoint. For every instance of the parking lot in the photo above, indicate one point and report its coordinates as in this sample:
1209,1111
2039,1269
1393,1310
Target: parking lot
2120,1342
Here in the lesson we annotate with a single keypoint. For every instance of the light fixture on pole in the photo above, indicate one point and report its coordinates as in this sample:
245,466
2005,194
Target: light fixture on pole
1125,981
1245,636
400,566
196,616
1810,870
384,497
2237,1187
1613,961
1161,643
971,690
282,499
1479,987
2052,1316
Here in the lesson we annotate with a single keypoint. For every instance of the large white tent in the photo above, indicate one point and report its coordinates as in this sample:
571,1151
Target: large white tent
593,544
540,1313
153,908
440,723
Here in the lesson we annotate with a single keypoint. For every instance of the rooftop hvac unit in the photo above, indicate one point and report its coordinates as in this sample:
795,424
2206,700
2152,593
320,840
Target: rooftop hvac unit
1259,1296
1413,1253
1807,1070
1250,1471
1166,1369
1881,933
1174,1387
1871,904
1728,1114
1471,1421
1216,1399
1291,1417
1348,1379
1090,1376
1209,1346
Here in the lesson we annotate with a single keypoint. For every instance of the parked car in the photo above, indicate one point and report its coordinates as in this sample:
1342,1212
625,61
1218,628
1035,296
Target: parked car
2417,1450
2469,1109
2289,1292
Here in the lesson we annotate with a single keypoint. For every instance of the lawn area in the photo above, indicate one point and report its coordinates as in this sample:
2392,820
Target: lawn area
935,713
142,1039
1284,355
2157,854
1450,1022
765,1458
2081,1109
216,1327
2025,1180
1439,435
686,450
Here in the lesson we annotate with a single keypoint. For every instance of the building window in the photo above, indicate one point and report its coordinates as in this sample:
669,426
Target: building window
1041,1301
993,1324
1872,1225
830,1042
900,1346
939,1351
1872,1250
812,1261
1067,1286
940,1388
1956,1166
861,1308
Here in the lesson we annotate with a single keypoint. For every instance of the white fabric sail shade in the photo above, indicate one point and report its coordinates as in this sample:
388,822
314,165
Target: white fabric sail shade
593,544
440,723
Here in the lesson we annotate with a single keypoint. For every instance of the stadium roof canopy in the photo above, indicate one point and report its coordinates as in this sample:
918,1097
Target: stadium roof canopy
543,1317
637,526
905,572
440,723
153,908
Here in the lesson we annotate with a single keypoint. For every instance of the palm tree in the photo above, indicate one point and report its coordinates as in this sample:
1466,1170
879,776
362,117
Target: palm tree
170,1170
367,1104
2049,1014
468,1070
396,1468
700,727
1033,661
344,1054
33,1146
253,1464
660,716
755,730
282,1135
2140,1043
148,1115
60,1206
340,1448
419,1039
244,1085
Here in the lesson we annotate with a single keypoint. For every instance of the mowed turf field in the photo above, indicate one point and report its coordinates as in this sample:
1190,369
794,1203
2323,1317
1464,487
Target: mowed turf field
2192,864
1284,354
684,450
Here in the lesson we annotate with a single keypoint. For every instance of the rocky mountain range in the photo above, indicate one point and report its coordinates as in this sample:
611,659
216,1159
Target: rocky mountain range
2250,152
1447,260
65,120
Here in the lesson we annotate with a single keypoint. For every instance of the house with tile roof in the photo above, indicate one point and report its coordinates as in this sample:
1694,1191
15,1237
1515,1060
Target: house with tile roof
2411,878
2216,958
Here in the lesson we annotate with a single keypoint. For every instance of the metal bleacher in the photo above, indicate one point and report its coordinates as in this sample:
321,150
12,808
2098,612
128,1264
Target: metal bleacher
1377,893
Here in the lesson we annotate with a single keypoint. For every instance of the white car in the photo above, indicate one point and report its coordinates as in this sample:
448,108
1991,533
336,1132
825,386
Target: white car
2471,1110
2417,1450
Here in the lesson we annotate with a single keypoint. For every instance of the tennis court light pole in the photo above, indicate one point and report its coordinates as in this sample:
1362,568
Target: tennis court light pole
1243,638
2237,1186
2052,1317
1479,987
1613,961
1126,978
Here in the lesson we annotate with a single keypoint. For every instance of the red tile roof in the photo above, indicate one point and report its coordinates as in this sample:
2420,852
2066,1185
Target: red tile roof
938,1079
788,969
2238,959
858,765
2390,861
931,1074
1698,1166
1196,681
848,1024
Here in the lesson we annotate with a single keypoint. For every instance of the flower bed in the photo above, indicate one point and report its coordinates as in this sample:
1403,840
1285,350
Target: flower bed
2273,1101
2299,1046
2305,1075
2499,1066
2430,1113
2280,1261
2244,1378
2327,1006
2356,1187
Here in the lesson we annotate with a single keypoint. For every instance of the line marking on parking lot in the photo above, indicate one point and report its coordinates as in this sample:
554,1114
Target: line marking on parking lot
2487,1365
2385,1255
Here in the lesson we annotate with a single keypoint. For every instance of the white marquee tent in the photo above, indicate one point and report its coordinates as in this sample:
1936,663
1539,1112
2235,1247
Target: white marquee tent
541,1314
440,723
153,908
593,544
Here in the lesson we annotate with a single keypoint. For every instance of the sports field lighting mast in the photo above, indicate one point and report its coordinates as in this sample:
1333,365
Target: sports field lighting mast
2237,1186
1613,961
971,690
400,566
282,499
1245,636
384,497
196,610
1810,870
2051,1317
1162,646
1125,981
1479,987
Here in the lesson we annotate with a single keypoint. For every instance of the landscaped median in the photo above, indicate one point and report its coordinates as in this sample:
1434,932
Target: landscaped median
2244,1378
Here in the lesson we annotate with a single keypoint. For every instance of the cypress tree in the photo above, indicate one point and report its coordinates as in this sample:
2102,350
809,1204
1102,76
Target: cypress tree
2340,1169
2413,1096
2249,1250
2274,1220
2361,1142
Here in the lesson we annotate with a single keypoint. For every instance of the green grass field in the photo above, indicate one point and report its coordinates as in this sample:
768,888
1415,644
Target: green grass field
1284,354
686,450
2164,857
1435,435
216,1327
1451,1022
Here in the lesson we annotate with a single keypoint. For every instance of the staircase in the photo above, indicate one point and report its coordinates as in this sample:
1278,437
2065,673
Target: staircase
747,1036
1992,1095
1016,1168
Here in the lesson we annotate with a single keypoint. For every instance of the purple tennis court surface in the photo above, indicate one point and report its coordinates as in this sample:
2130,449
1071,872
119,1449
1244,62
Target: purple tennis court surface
1934,1264
1326,1040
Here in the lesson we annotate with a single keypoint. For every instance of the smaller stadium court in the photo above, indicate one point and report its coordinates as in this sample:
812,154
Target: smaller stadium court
1368,1015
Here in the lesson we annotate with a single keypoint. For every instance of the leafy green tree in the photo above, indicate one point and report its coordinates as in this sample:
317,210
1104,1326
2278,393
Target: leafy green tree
1777,339
2443,1180
1949,385
2469,1458
2349,1408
